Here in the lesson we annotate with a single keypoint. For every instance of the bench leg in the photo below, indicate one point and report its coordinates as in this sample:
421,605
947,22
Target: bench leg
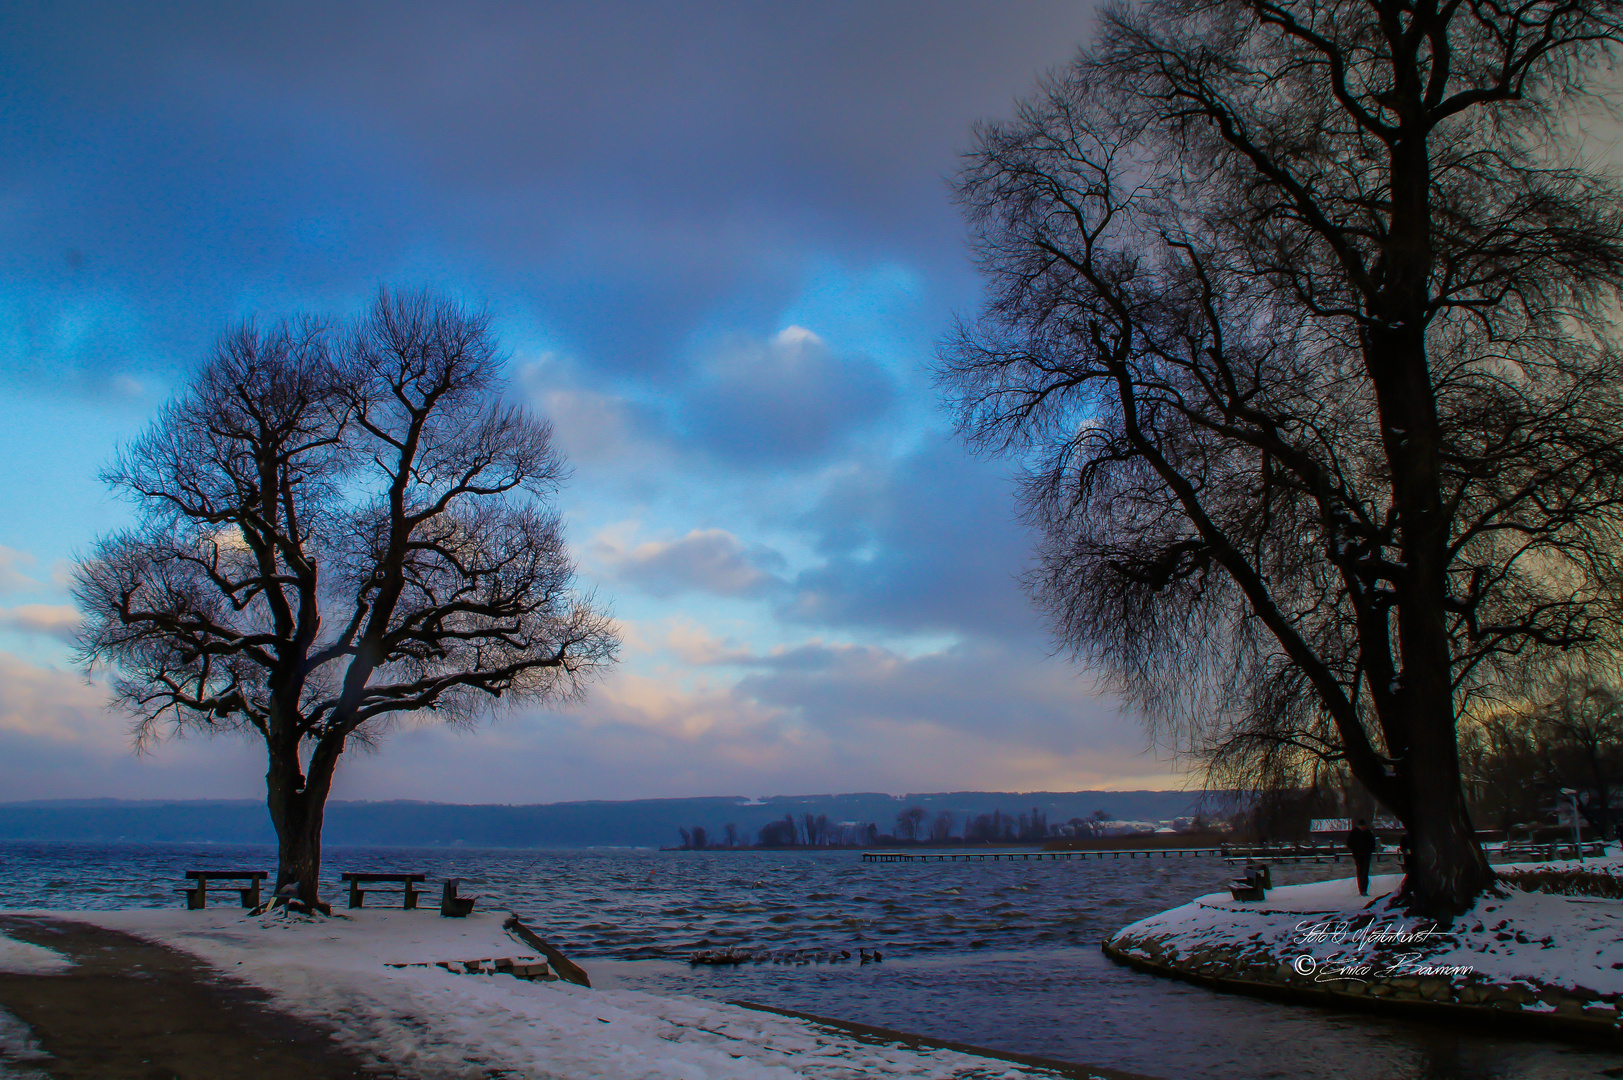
356,896
250,896
194,899
411,898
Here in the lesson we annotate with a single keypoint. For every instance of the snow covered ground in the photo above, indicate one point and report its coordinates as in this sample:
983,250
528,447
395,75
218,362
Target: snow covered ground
427,1021
19,1050
21,958
1531,952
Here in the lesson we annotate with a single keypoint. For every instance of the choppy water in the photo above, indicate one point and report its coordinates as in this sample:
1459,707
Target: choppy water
999,954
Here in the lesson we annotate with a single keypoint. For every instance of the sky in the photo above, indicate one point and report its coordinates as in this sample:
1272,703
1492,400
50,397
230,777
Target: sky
720,249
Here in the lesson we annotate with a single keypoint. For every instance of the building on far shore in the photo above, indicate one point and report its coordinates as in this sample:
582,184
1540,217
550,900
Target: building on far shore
1387,828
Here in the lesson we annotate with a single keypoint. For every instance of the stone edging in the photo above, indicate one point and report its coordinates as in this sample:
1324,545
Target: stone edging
1403,1000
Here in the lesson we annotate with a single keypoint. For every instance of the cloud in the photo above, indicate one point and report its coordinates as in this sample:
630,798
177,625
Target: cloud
926,543
628,170
784,400
655,214
816,717
695,646
60,621
591,426
705,560
54,706
59,739
13,579
980,688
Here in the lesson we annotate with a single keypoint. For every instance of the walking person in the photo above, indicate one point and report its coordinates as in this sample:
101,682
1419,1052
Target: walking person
1362,843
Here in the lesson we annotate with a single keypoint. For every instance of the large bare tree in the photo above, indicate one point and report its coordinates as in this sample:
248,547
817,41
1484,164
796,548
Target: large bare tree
1302,317
338,529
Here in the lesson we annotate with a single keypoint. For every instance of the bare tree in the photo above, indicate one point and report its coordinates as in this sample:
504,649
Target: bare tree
1579,729
1567,734
338,531
910,823
1502,766
1301,316
941,827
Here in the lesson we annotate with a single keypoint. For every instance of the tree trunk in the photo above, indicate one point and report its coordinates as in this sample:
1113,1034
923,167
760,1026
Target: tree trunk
1447,869
298,807
298,848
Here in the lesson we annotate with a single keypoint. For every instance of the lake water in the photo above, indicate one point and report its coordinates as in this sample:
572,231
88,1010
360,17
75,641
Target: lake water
998,954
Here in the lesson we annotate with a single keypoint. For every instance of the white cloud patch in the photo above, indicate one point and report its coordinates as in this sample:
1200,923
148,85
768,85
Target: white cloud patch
705,560
692,644
58,621
59,739
785,400
791,337
817,718
14,575
671,721
590,425
54,706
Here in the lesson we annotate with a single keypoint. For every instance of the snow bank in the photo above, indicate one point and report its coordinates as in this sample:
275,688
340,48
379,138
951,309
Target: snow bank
428,1021
1531,952
21,958
20,1051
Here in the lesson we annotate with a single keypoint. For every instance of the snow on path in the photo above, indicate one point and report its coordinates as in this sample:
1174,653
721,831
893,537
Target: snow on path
21,958
433,1023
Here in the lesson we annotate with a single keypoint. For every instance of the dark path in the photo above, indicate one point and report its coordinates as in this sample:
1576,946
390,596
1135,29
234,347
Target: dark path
132,1010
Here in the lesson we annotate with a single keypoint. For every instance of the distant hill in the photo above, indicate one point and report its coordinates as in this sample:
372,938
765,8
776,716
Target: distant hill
635,823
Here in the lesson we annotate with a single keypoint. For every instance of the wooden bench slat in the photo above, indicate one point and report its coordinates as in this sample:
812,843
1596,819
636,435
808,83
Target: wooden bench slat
357,895
197,896
368,877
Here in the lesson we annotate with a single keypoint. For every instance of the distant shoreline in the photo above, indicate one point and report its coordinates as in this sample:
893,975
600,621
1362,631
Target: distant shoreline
650,823
1123,842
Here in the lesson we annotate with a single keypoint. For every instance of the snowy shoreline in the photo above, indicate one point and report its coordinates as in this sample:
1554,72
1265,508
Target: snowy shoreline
434,998
1546,963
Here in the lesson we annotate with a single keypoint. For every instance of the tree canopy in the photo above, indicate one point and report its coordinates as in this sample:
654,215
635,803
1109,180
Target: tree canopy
338,528
1302,319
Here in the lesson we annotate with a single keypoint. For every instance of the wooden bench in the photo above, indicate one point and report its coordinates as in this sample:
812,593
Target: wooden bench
1552,851
197,895
453,906
357,895
1254,886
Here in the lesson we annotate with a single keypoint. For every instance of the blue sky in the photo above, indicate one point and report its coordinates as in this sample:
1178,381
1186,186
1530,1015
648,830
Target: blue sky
720,248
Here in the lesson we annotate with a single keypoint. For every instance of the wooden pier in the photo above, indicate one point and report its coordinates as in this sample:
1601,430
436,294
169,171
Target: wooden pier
1231,854
996,856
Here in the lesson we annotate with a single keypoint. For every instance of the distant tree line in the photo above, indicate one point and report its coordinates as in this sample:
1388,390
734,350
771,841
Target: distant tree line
914,825
1518,760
